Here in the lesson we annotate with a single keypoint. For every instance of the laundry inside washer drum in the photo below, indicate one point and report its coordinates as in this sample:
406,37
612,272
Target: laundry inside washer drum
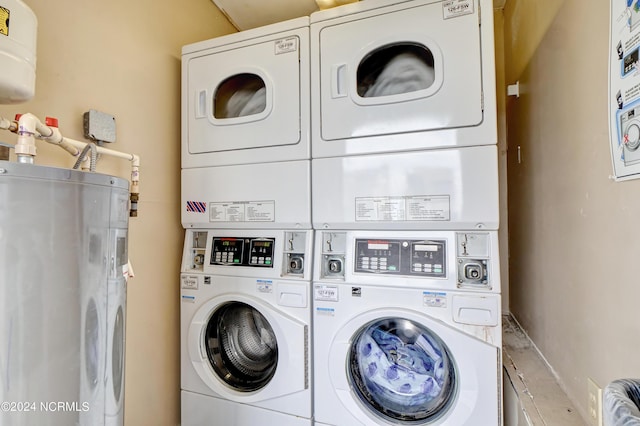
242,346
402,370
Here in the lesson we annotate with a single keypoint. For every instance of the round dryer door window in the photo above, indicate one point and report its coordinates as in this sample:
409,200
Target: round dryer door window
241,346
396,69
402,371
239,96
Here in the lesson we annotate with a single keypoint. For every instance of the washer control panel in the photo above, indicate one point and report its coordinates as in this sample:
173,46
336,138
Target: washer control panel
424,258
236,251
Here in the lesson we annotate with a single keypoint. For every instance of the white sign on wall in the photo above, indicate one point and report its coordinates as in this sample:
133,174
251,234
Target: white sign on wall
624,88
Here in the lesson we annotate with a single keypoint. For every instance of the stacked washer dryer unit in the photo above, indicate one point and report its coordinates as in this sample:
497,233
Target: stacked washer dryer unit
246,207
406,285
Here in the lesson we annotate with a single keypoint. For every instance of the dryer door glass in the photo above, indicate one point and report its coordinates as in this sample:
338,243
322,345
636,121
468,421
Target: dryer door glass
396,69
239,96
402,371
241,346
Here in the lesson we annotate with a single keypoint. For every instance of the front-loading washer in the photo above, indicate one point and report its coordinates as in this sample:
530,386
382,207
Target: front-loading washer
407,328
433,189
397,356
246,97
402,75
245,327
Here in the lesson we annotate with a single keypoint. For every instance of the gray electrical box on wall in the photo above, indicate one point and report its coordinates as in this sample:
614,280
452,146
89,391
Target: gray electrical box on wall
99,126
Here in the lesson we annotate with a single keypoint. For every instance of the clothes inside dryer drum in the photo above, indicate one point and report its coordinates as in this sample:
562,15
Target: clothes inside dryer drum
402,370
239,96
394,70
241,346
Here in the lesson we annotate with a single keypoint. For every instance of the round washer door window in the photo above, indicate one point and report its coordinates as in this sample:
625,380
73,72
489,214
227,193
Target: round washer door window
241,346
402,371
117,354
92,344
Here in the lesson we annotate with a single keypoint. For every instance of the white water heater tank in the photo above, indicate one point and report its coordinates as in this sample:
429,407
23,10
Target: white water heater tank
18,33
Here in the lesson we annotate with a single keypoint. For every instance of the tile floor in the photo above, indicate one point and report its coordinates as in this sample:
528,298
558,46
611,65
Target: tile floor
532,394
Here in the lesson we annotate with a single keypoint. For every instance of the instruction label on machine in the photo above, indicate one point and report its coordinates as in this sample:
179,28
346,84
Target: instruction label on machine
409,208
242,211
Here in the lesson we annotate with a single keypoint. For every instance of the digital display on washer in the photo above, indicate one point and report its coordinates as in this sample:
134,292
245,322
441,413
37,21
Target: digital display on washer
424,258
261,253
236,251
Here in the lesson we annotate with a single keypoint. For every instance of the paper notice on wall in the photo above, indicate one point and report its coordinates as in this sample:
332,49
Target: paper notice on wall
624,89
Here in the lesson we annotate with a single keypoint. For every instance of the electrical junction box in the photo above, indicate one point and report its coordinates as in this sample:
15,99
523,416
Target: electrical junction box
99,126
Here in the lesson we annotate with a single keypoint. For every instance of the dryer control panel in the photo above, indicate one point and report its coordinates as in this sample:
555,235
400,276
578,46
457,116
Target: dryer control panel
424,258
236,251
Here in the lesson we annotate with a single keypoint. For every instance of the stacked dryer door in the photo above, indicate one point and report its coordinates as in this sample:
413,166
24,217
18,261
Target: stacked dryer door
247,93
245,327
245,129
403,75
407,328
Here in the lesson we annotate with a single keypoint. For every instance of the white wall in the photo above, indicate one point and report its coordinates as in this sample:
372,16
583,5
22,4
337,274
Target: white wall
573,242
123,58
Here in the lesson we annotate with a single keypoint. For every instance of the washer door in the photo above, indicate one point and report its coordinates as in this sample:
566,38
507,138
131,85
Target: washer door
241,346
401,367
246,351
401,370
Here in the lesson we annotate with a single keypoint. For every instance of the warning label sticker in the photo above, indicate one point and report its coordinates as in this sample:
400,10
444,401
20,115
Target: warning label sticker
4,20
